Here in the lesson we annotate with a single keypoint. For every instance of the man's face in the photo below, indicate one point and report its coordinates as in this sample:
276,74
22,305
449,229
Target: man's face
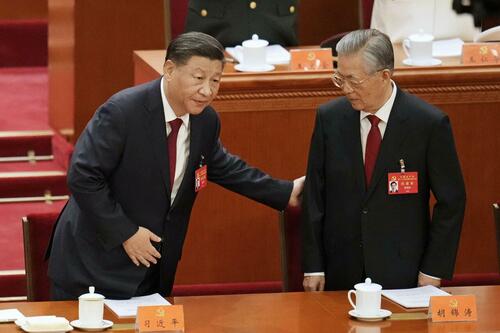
366,91
191,87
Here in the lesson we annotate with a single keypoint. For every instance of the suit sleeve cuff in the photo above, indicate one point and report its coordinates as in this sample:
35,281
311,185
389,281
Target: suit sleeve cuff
430,276
314,274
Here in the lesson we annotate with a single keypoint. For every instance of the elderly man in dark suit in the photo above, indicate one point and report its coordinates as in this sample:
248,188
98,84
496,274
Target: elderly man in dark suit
135,174
233,21
354,225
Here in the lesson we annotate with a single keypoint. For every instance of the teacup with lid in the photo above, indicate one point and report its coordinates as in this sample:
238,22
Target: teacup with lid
368,298
91,309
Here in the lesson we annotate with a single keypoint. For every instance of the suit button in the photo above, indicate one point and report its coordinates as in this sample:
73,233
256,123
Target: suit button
203,12
365,211
292,9
253,5
360,244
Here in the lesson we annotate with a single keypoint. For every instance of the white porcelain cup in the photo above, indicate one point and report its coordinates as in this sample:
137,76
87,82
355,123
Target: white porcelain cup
91,309
368,298
418,48
253,52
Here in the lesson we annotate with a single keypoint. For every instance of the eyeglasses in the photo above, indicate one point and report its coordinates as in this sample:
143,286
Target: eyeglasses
340,81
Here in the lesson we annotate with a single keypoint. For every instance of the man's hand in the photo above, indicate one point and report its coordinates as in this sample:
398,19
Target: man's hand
139,247
314,283
424,280
295,197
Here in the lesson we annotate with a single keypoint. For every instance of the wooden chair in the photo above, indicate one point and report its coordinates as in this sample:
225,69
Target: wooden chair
291,247
496,214
37,229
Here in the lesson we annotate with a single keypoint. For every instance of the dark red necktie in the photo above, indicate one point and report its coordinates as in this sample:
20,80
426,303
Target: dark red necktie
372,147
172,147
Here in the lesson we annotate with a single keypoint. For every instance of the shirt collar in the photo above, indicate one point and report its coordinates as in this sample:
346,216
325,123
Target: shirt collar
384,112
167,109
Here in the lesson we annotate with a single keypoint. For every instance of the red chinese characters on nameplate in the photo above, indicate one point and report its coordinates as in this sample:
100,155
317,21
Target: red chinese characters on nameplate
402,183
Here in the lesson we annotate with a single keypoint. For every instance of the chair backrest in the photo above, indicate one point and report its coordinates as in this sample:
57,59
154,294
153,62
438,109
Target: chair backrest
37,229
366,12
496,214
291,247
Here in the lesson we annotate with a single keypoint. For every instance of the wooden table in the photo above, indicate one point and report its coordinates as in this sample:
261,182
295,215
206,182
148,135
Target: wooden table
267,118
290,312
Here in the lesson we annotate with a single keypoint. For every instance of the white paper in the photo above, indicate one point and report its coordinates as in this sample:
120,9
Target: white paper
447,47
128,307
9,315
413,297
275,54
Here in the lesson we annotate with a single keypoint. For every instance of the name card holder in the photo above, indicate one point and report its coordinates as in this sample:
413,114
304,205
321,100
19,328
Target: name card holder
453,308
311,59
481,54
160,318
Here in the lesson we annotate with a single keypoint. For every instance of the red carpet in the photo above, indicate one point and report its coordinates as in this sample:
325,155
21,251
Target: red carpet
24,99
11,231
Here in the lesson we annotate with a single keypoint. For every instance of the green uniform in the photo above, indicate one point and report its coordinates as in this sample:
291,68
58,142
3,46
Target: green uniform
233,21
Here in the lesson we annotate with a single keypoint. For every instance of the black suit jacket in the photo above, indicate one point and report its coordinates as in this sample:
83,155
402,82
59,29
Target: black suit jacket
350,231
233,21
119,180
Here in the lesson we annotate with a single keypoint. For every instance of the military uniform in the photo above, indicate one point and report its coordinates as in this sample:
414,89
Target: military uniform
233,21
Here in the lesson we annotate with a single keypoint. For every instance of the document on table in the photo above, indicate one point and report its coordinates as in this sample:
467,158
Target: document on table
128,307
9,315
413,297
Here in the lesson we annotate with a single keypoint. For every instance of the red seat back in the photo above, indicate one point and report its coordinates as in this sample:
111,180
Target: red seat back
37,229
291,247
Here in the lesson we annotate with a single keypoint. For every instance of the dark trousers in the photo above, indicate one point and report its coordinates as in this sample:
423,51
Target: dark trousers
59,294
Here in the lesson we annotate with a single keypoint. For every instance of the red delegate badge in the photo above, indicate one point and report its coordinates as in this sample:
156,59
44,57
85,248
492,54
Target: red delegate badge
200,178
402,183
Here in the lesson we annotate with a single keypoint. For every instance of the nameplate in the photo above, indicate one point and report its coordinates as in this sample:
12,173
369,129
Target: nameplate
481,54
453,308
161,318
311,59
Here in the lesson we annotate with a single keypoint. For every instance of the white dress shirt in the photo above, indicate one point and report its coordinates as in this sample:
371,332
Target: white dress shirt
182,141
383,114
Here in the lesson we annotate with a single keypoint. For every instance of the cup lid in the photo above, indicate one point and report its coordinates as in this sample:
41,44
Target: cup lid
255,42
91,296
368,286
421,36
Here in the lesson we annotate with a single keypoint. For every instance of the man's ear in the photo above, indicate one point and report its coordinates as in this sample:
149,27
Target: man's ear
168,69
386,74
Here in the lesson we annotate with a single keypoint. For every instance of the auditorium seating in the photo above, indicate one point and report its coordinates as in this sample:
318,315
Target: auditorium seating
496,216
37,229
289,221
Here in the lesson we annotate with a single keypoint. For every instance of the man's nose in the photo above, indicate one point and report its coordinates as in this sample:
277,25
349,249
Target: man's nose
206,89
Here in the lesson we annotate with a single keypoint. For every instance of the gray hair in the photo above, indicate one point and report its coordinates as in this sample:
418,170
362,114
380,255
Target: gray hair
375,46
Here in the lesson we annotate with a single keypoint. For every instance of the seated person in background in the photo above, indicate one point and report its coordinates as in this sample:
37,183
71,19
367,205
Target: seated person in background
401,18
352,227
135,174
233,21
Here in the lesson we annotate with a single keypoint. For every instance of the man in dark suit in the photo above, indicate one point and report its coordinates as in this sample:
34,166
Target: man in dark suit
353,226
233,21
135,174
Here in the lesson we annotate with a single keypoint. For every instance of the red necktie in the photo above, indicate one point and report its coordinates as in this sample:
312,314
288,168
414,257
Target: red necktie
172,147
372,147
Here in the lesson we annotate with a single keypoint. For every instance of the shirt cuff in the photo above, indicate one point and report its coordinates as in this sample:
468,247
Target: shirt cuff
430,276
315,274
